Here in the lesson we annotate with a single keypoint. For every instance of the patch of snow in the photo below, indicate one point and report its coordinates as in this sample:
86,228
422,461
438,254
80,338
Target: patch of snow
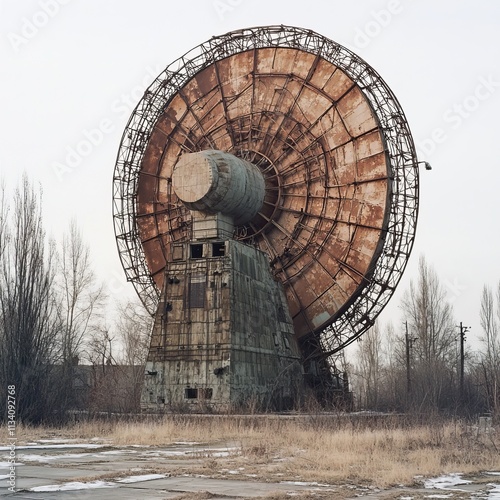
495,492
118,452
138,479
165,453
66,456
189,443
53,446
56,441
445,482
215,452
4,476
440,496
6,465
304,483
73,486
493,473
49,458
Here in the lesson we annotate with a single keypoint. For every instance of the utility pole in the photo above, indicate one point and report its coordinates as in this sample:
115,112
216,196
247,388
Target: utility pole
463,331
408,374
409,345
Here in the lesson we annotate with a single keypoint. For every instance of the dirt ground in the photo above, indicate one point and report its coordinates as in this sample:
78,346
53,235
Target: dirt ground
63,469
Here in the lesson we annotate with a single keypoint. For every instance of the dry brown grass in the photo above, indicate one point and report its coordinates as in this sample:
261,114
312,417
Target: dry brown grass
329,450
203,495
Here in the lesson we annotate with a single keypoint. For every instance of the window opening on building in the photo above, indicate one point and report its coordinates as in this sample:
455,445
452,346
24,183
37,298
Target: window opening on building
196,251
191,393
218,249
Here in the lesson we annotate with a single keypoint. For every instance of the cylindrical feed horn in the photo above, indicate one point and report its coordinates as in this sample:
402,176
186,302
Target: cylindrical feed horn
213,181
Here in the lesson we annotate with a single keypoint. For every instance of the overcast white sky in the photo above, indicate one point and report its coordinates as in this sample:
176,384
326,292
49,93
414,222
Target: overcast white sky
72,67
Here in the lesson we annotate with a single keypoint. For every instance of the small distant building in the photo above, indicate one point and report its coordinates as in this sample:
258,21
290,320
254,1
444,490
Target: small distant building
105,388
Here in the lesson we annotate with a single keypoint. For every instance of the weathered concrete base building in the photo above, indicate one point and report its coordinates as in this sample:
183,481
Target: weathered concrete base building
223,337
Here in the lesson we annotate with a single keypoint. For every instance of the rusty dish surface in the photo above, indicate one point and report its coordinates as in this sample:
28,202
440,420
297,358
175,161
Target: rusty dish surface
335,150
316,139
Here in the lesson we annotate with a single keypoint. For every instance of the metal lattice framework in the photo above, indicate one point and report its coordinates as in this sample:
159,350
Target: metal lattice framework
400,220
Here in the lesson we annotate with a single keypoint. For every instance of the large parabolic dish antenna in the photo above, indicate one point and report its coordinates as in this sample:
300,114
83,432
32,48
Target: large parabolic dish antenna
332,142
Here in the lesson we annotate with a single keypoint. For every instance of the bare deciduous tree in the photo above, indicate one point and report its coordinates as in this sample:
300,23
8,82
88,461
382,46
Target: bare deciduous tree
100,347
29,323
369,367
430,321
3,219
430,317
490,357
117,379
393,393
81,296
80,302
134,326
